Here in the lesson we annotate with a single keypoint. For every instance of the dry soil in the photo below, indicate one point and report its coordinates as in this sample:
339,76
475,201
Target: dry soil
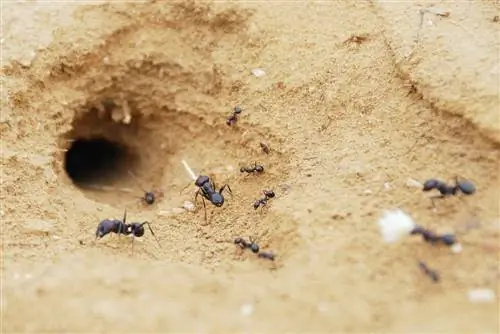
356,99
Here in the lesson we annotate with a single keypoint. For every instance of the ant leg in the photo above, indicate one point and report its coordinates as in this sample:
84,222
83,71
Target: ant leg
228,188
434,198
203,200
151,230
125,216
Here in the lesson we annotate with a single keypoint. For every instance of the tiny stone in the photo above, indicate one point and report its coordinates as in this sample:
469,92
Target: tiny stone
189,206
481,295
37,226
368,191
258,72
387,185
456,248
246,310
177,210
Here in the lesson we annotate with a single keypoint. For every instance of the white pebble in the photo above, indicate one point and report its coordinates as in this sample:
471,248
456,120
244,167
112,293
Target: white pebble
395,225
481,295
189,206
246,310
368,192
258,72
456,248
177,210
387,185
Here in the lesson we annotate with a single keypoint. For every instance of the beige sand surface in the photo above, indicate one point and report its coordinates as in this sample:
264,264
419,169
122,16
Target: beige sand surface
351,108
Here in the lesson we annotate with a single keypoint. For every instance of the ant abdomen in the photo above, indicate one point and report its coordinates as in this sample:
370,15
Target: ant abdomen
466,187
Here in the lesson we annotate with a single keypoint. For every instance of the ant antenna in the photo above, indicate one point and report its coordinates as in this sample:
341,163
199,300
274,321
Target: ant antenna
189,170
137,181
151,230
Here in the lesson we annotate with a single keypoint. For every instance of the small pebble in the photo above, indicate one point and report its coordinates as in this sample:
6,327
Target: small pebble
246,310
368,192
177,210
387,185
456,248
258,72
189,206
481,295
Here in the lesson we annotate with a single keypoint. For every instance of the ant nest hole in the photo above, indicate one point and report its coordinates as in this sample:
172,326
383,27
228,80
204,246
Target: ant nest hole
112,155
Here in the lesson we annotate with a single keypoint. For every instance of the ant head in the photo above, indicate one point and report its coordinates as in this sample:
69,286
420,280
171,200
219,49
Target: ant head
259,168
238,240
242,169
254,247
256,204
201,180
269,193
430,184
149,197
138,229
466,187
217,200
448,239
237,110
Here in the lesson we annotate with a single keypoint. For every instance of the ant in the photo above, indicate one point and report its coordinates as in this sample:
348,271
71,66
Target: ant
252,245
117,226
263,201
252,169
433,275
149,197
464,186
234,117
207,191
433,238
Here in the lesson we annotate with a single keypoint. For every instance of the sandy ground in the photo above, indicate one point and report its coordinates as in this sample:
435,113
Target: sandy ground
352,105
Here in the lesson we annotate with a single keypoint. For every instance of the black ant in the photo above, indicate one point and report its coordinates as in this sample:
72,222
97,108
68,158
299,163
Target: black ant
252,169
107,226
234,117
149,197
207,191
464,186
433,275
433,238
263,201
252,245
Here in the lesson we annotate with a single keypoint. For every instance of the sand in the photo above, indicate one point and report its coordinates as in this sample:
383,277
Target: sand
355,100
